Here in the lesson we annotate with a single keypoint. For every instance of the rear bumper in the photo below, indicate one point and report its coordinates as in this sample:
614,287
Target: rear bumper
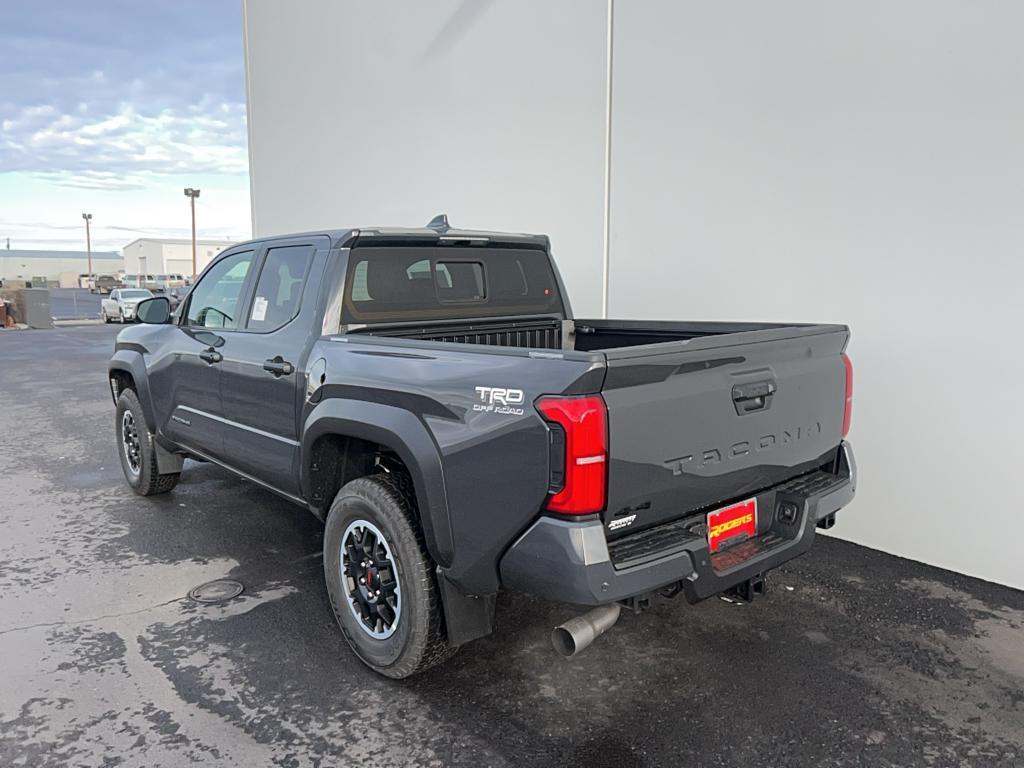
572,561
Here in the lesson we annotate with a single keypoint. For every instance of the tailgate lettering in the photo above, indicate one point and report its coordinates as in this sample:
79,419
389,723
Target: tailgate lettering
741,449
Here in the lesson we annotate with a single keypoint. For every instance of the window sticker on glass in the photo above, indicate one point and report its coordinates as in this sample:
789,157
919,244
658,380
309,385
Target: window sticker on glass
259,309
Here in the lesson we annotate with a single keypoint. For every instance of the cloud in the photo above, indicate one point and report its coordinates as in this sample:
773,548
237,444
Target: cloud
104,151
99,95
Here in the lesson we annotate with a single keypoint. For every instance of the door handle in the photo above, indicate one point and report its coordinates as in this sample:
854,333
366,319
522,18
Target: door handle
211,356
279,366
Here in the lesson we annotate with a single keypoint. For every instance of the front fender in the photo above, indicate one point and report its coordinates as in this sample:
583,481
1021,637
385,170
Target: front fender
402,432
129,360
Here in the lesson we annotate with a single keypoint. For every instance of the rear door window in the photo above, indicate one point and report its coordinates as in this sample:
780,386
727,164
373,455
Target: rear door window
279,289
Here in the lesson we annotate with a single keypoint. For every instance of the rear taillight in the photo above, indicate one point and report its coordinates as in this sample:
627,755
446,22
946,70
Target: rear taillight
848,407
583,476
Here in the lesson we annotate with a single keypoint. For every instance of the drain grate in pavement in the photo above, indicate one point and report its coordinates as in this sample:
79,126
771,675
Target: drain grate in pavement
216,591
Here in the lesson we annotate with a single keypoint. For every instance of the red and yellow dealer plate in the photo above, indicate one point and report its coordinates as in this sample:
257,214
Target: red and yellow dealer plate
737,521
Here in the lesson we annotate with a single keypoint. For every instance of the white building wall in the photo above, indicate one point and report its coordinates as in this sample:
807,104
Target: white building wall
143,257
21,268
386,114
856,163
170,257
787,161
177,257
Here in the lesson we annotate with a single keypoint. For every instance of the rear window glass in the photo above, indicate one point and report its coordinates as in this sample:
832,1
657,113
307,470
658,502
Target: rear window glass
460,281
421,283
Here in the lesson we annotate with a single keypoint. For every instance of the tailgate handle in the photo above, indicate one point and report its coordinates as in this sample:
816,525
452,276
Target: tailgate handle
757,396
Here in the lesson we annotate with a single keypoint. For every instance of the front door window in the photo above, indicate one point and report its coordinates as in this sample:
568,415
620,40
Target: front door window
215,300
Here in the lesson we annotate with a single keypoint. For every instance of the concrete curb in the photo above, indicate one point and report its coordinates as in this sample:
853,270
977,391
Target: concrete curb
80,321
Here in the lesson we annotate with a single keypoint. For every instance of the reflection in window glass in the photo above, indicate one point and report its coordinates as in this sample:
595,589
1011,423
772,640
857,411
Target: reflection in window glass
213,302
460,281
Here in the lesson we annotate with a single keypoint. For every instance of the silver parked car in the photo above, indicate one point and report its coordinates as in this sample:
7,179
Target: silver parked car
120,305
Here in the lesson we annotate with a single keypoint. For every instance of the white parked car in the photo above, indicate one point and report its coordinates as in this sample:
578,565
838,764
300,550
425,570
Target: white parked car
121,303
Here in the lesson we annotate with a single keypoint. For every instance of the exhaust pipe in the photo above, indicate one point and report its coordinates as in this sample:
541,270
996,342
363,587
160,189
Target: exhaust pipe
577,634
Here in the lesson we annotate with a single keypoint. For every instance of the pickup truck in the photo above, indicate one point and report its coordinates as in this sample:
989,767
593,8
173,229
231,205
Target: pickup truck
429,394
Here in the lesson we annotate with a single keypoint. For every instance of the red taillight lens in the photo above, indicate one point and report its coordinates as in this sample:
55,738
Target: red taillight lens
848,408
585,423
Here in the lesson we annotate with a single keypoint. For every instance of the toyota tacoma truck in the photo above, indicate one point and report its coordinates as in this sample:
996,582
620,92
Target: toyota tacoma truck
429,394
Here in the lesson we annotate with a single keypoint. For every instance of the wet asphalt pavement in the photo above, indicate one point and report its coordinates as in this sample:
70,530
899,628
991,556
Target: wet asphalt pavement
854,658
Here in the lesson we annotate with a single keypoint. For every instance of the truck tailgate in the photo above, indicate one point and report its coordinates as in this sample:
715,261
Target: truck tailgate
694,424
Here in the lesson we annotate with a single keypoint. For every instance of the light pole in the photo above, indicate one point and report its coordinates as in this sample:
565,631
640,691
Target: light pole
192,194
88,244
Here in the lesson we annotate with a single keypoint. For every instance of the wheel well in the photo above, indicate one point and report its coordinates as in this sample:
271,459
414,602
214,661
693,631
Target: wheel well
338,459
120,381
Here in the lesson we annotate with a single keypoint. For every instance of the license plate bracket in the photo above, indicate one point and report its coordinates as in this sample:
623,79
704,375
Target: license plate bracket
732,524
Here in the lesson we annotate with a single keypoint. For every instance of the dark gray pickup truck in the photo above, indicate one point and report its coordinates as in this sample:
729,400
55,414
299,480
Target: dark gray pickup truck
430,396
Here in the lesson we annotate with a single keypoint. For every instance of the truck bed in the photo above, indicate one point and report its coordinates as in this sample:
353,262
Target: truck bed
687,431
547,332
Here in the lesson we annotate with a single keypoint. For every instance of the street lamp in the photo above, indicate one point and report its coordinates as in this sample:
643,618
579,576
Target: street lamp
192,194
88,244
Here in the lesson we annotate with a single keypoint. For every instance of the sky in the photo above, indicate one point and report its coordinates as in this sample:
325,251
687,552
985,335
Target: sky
113,108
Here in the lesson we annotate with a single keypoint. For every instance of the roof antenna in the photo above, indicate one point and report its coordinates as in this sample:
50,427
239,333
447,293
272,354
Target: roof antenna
439,223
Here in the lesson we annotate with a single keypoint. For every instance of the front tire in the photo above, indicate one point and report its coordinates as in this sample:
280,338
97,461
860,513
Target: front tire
380,578
137,450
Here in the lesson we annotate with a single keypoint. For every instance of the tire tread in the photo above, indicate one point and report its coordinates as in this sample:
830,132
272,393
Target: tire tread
425,649
151,482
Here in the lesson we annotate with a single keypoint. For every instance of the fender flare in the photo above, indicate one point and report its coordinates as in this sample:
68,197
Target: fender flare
404,433
131,362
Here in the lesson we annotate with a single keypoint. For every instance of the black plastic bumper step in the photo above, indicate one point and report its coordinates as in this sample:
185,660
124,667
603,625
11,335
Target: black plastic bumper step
688,533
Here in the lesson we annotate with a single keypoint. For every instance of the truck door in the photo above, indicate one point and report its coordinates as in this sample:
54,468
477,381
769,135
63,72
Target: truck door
262,378
185,382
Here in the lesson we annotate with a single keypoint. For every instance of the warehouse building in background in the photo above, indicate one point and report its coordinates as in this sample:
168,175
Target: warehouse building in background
798,161
169,256
57,268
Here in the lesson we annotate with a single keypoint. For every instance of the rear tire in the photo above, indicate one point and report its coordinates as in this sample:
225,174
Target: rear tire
136,448
381,509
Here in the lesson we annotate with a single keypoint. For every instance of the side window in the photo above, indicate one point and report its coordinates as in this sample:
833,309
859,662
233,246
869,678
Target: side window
214,300
115,295
279,289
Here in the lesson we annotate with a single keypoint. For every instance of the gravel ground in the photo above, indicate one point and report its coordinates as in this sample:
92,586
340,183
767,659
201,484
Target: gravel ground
854,658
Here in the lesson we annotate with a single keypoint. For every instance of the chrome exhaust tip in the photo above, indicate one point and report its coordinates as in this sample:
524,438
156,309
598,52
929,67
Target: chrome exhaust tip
577,634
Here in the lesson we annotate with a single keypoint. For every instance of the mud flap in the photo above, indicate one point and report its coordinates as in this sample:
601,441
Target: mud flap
466,617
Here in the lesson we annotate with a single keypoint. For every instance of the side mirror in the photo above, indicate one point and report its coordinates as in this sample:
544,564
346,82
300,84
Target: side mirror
155,311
